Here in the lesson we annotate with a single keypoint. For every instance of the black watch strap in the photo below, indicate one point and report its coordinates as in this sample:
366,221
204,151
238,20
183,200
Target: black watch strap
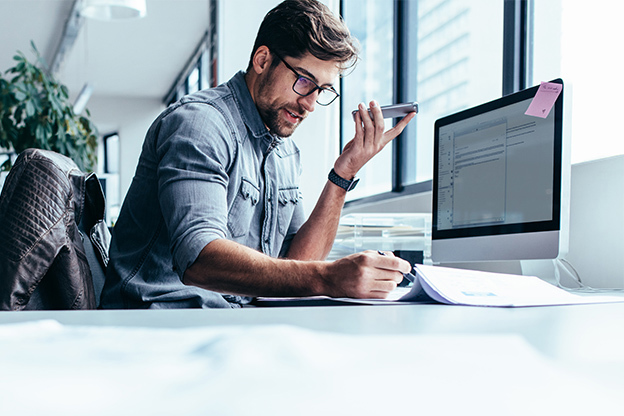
345,184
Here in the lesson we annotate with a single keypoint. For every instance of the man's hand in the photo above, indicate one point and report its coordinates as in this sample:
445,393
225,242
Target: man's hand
365,275
369,139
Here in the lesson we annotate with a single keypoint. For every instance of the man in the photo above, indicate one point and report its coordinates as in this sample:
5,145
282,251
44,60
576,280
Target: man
213,218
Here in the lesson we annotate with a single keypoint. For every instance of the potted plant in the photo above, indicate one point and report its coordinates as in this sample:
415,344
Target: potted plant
35,112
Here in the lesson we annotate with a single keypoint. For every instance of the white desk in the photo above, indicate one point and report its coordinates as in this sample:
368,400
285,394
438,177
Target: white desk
587,340
544,327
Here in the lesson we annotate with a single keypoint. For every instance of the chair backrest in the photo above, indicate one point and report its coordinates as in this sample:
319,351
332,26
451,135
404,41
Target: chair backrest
95,233
45,260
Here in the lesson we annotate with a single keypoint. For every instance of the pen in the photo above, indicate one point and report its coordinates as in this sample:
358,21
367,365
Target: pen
409,276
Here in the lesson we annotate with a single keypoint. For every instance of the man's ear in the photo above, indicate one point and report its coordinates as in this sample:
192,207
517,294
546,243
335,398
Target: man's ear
261,59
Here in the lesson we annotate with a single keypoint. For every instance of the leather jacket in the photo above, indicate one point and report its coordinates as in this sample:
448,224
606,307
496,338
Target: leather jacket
45,201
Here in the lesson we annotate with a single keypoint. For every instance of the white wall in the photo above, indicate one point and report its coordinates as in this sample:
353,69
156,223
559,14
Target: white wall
130,118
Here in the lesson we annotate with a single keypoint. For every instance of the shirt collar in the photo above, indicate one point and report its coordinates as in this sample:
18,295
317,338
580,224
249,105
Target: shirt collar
249,112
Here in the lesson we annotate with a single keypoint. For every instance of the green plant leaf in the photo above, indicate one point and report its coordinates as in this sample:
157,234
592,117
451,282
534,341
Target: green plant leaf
41,134
30,108
20,95
35,112
6,166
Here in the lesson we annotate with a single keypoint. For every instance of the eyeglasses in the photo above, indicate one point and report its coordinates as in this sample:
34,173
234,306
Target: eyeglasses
304,86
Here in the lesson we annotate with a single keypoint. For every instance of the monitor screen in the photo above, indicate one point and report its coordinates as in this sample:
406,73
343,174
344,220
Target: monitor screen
497,182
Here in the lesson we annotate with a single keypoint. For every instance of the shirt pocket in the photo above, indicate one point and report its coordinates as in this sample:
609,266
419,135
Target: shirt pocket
288,198
241,213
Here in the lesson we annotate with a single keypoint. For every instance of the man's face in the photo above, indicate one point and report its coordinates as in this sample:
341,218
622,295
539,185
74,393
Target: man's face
280,107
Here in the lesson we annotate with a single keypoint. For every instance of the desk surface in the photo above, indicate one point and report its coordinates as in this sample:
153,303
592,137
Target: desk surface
580,347
552,330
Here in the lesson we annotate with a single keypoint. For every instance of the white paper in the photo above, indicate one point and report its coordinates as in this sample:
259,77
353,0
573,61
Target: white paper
470,287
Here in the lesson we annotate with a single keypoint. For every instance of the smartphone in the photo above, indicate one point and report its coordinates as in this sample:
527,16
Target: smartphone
394,110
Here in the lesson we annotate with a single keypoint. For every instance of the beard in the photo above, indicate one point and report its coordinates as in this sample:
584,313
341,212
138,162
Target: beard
275,122
274,114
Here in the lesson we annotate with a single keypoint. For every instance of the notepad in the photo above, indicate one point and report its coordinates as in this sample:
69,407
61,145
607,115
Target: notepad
544,100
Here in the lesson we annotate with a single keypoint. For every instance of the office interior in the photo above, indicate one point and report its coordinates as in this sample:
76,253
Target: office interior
128,71
131,70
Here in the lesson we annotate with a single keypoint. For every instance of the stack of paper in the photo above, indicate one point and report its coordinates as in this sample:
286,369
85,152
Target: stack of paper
476,288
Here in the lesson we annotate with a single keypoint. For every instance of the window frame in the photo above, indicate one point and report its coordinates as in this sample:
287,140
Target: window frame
516,73
203,61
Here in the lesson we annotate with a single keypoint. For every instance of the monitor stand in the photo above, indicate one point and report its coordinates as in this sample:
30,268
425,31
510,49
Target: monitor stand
558,272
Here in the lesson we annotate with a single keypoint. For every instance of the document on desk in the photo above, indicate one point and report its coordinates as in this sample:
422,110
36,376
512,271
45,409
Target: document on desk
476,288
451,286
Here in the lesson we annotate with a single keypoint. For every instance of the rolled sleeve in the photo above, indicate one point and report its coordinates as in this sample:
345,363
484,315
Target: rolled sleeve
194,148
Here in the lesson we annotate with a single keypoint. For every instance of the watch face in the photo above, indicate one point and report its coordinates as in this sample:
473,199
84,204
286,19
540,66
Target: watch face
353,183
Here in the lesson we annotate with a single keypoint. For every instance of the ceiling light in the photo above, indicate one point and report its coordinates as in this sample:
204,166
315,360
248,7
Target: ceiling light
113,9
83,98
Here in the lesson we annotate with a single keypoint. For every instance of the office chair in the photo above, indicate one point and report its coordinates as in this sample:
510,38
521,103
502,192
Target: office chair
53,239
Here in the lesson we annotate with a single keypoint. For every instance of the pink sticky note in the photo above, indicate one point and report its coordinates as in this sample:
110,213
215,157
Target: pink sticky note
544,100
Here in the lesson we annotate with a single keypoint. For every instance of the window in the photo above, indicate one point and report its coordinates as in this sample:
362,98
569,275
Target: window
579,42
192,81
197,74
372,23
458,64
445,54
200,71
109,177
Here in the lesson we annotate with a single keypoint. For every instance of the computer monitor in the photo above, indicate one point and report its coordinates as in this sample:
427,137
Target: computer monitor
497,182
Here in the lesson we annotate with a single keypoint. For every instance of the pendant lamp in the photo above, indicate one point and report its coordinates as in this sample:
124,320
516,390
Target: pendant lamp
113,9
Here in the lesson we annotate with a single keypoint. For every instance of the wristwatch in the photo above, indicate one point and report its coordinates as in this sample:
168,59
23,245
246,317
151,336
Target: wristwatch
345,184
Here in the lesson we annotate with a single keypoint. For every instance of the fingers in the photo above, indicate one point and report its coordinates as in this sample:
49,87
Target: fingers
377,115
389,274
369,127
383,274
378,287
363,146
381,291
369,139
405,120
372,131
359,129
400,126
390,262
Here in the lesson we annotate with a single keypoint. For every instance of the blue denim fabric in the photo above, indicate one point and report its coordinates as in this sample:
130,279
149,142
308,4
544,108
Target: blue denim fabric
209,169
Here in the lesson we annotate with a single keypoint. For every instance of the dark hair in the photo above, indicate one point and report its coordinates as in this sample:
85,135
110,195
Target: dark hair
295,27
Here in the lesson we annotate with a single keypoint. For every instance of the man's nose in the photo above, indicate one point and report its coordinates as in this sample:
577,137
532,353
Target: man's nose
309,101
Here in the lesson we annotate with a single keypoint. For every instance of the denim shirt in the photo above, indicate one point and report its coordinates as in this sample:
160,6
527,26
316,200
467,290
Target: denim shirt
209,169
